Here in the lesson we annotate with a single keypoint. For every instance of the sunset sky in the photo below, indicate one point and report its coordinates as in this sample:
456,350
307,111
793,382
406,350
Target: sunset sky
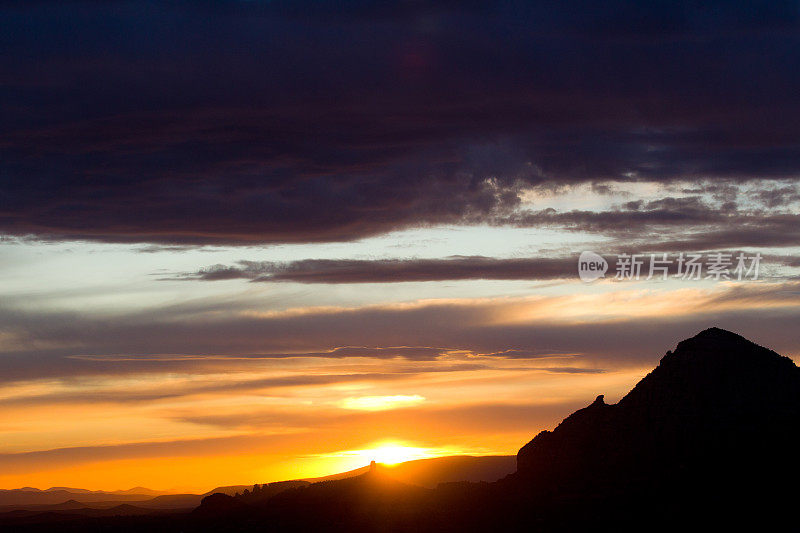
247,241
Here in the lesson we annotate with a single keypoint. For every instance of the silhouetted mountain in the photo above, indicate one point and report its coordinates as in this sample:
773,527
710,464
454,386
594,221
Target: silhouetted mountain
67,506
718,398
712,426
171,501
361,503
221,503
369,502
230,490
30,496
140,490
135,490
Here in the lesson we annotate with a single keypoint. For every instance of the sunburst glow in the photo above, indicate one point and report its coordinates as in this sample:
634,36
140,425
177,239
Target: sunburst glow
392,454
387,453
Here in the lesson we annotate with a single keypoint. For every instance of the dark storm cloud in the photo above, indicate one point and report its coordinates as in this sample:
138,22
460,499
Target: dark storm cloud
236,122
778,196
665,225
633,216
676,224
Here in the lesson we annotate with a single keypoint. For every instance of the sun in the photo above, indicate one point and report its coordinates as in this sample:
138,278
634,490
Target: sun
394,453
386,452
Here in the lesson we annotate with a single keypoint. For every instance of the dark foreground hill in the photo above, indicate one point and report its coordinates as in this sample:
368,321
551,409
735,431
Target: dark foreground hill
709,434
719,405
706,440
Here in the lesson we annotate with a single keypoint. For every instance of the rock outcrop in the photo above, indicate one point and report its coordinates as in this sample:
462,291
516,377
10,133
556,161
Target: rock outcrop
719,410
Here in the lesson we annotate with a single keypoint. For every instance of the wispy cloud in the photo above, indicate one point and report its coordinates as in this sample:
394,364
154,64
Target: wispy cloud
46,344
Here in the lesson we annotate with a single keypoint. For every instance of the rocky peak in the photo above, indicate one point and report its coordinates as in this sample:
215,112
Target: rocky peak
715,397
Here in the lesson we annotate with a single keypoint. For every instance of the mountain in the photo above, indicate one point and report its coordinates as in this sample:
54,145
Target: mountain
164,502
30,496
712,428
220,502
140,490
713,403
371,501
230,490
172,501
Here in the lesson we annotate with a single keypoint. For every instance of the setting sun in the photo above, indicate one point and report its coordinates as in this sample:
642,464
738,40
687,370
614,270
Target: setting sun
384,452
392,454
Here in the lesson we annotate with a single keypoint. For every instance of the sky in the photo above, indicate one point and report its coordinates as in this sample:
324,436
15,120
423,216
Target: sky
247,241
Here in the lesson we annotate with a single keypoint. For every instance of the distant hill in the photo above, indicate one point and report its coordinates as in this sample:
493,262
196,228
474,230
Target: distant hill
55,495
69,513
138,491
230,490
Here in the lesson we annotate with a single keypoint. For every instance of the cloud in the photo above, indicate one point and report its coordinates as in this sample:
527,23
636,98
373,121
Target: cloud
672,224
381,403
773,197
70,390
633,216
573,370
45,345
115,394
391,270
27,462
310,123
336,271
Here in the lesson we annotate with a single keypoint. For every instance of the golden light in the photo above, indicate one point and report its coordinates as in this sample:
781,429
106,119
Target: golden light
384,452
392,454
